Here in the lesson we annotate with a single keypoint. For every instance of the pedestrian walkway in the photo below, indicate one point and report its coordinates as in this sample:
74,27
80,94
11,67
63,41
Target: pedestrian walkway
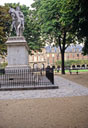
66,89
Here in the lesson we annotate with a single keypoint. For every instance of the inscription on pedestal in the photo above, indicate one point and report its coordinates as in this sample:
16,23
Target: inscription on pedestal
17,50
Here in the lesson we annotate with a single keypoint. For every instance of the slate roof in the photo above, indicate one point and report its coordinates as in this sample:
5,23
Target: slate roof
75,48
50,49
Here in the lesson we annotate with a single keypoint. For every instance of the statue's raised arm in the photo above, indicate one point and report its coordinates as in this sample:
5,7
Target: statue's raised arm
17,20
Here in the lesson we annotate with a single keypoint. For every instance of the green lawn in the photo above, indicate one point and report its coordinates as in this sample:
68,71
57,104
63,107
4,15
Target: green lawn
81,70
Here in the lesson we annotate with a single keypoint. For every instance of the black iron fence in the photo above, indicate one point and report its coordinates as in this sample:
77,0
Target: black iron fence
26,78
50,74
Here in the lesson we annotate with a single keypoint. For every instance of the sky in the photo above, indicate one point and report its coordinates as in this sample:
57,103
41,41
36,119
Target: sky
26,2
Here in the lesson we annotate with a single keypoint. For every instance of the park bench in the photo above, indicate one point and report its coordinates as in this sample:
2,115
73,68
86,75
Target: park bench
76,70
73,69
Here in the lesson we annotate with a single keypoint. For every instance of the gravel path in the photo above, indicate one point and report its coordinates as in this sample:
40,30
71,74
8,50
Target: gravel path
66,89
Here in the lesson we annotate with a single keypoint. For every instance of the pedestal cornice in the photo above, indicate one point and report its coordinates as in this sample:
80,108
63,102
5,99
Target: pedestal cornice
17,41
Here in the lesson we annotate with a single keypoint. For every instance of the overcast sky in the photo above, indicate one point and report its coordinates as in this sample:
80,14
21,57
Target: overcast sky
26,2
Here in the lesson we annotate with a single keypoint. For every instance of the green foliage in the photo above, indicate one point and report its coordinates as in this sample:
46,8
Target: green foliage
85,48
3,65
80,21
32,32
3,49
73,62
5,22
55,23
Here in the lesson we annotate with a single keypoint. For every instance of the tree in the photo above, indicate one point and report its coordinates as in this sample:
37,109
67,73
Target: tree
80,24
85,48
5,22
55,23
83,24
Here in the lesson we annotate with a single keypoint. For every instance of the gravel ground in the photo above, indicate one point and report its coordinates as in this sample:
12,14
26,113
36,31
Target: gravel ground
81,78
64,112
66,89
65,107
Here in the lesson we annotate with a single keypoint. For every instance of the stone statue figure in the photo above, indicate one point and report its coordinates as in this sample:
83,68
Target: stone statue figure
17,20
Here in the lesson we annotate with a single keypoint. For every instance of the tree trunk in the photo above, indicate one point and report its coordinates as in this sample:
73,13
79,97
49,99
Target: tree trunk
62,63
62,49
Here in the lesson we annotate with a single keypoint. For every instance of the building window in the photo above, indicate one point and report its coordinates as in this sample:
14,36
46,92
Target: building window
39,58
48,61
73,50
35,58
77,49
53,60
53,50
77,55
68,56
47,55
57,56
52,55
30,58
73,55
42,59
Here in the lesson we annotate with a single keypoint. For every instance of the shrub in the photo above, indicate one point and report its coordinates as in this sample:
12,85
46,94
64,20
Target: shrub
3,65
73,62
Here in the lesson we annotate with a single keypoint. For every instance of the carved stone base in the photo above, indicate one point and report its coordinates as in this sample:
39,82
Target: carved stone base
18,56
17,67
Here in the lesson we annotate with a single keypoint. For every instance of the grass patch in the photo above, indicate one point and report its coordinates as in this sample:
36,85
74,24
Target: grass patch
73,62
81,70
67,71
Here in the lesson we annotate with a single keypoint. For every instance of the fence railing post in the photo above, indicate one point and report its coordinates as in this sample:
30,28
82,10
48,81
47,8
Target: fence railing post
26,78
50,74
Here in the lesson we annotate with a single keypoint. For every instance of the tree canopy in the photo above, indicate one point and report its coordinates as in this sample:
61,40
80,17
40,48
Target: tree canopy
55,23
60,21
64,22
5,22
83,24
80,24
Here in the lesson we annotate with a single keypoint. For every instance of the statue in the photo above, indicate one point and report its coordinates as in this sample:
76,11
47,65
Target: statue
17,20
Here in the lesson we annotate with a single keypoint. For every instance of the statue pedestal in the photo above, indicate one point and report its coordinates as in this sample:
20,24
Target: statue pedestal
17,53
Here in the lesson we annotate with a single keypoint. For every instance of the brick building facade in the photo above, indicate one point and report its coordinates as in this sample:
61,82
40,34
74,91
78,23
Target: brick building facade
50,55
